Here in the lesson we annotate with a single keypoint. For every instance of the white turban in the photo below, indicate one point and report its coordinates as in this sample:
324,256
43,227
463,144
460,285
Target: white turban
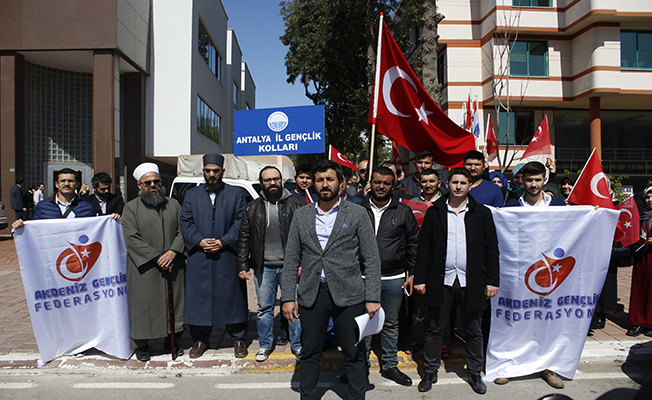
143,169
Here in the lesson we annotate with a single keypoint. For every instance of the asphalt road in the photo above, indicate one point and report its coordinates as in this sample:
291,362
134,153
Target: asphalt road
594,381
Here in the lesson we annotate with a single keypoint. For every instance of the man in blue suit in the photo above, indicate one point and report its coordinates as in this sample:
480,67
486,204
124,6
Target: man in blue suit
210,224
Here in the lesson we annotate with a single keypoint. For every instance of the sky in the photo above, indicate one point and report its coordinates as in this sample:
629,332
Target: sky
258,26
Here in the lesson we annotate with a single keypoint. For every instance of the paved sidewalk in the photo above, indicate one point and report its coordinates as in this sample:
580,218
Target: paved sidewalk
18,347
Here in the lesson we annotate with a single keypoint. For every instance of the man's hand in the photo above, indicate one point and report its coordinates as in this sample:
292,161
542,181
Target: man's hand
210,245
421,288
116,216
18,224
371,308
166,259
491,291
409,282
290,311
244,275
552,167
367,188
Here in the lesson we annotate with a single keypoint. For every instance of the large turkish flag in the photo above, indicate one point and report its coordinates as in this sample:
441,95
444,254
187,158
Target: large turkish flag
540,143
406,113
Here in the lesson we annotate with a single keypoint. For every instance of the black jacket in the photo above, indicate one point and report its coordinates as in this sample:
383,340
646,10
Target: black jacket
481,253
397,238
17,201
251,243
114,204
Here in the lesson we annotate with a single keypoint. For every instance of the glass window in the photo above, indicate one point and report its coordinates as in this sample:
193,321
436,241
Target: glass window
528,58
521,127
636,50
531,3
209,123
209,52
235,94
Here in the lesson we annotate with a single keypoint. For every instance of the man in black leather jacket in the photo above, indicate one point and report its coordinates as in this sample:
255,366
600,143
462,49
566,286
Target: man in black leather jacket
261,247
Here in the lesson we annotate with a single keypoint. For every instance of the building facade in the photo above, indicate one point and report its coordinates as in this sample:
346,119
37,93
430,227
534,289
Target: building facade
586,64
103,85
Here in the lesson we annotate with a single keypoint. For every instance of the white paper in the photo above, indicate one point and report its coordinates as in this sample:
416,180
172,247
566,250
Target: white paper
368,327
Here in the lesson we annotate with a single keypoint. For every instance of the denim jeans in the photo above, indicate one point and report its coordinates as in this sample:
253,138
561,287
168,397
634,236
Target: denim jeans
391,297
266,290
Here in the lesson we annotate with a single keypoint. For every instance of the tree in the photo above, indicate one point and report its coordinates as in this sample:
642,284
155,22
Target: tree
497,64
332,53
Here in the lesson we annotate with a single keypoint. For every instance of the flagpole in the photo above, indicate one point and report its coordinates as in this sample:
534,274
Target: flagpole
376,90
580,175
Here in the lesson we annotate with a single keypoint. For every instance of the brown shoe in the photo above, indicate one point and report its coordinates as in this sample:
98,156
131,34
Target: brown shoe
240,349
198,349
501,381
552,379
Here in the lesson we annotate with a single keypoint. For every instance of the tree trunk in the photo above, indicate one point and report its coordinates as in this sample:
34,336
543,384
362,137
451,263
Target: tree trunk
430,39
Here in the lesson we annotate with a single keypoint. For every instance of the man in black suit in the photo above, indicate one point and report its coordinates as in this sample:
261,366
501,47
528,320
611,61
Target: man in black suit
457,260
17,201
104,202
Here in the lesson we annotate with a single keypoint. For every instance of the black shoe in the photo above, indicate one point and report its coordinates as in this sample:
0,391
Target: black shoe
478,386
602,322
427,381
634,331
647,332
397,376
177,348
142,355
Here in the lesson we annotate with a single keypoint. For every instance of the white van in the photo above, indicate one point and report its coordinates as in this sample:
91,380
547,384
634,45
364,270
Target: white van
238,171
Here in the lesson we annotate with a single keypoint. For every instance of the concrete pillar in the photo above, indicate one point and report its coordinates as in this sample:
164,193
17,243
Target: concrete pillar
596,125
134,135
106,113
12,126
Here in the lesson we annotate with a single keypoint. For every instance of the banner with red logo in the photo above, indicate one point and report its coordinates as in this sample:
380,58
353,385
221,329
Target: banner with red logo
553,262
74,274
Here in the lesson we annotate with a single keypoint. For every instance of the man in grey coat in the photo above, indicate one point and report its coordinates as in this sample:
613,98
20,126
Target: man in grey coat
333,242
152,235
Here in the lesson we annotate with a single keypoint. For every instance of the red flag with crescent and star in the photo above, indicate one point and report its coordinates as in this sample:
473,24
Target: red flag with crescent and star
335,155
419,209
540,143
592,186
406,113
396,156
629,222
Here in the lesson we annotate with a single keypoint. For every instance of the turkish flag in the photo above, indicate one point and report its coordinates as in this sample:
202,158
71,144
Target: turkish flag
592,186
540,143
403,111
492,143
419,208
629,222
339,158
395,155
469,114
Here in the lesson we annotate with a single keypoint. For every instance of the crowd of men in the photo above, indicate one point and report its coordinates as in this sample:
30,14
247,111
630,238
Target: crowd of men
337,246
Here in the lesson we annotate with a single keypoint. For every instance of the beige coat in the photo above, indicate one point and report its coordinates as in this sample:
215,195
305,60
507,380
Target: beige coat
148,233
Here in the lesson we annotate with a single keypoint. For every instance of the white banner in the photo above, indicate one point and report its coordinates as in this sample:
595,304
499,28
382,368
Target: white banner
76,285
553,263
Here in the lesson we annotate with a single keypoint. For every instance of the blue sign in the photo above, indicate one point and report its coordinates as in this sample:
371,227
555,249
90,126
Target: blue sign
289,130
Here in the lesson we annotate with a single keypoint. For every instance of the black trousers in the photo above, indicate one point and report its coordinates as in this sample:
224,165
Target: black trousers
438,321
201,333
314,322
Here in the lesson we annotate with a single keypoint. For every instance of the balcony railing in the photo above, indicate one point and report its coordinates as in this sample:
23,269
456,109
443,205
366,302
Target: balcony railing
614,161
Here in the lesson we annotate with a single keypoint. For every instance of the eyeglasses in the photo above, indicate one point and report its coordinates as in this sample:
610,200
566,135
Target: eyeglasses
275,179
213,170
362,170
153,182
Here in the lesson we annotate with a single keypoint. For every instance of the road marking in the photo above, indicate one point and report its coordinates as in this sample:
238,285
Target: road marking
442,381
17,385
123,385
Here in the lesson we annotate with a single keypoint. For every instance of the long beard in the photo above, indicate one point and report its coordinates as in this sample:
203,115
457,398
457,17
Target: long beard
213,187
153,198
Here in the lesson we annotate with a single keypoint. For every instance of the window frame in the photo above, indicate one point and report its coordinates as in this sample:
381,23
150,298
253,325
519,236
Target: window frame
546,66
530,4
213,61
636,51
202,109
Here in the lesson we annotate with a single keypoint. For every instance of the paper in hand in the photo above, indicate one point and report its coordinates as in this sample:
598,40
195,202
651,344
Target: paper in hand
368,327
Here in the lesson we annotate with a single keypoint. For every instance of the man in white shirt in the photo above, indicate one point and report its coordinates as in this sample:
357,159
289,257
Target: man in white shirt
38,193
